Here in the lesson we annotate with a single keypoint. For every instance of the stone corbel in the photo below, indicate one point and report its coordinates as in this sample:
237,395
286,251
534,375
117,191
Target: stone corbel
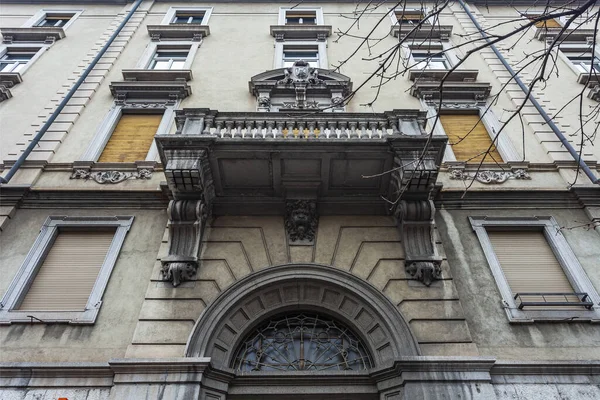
187,221
415,219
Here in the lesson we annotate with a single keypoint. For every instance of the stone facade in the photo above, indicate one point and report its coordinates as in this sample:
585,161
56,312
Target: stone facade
242,213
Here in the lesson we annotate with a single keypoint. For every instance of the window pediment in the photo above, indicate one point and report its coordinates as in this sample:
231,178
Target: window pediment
178,31
303,32
297,83
46,34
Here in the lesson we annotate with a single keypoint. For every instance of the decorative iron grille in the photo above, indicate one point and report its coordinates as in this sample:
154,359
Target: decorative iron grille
302,342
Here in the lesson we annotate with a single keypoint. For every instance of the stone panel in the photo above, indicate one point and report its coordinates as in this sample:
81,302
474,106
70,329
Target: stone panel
172,309
441,331
162,332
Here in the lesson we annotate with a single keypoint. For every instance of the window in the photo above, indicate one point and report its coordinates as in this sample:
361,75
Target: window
584,61
187,15
300,16
307,17
549,23
302,342
132,138
469,138
537,273
171,55
427,60
15,60
188,18
55,20
411,17
310,54
169,58
82,249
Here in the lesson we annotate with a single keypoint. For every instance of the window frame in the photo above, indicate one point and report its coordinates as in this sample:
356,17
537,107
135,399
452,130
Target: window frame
444,46
40,15
148,56
563,253
574,47
41,48
321,47
424,11
172,13
35,258
110,121
490,121
318,12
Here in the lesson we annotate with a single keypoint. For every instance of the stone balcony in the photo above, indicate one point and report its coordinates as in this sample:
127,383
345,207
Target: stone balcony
253,162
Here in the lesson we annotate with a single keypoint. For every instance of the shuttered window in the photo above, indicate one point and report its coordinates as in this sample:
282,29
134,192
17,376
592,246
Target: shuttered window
67,275
549,23
132,138
529,264
476,139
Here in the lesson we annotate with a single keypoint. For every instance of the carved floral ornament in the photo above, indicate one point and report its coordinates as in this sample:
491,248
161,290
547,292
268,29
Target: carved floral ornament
110,177
489,177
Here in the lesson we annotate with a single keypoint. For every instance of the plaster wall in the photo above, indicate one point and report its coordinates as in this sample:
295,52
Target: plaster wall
123,297
53,68
482,302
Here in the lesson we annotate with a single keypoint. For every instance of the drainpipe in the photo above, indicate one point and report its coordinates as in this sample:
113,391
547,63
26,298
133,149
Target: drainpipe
13,170
535,103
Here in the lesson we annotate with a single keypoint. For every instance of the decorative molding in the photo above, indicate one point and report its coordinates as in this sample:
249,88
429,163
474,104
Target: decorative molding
566,35
300,32
147,91
191,32
187,222
188,174
297,83
425,31
163,75
488,176
44,34
416,219
452,92
111,177
301,221
594,93
5,93
457,75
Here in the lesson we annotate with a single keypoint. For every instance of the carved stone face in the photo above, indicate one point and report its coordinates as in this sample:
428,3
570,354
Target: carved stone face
301,220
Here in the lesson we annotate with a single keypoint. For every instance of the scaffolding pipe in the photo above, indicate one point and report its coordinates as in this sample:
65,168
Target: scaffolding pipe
536,104
13,170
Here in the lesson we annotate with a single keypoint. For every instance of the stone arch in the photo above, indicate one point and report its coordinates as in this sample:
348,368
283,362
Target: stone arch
301,287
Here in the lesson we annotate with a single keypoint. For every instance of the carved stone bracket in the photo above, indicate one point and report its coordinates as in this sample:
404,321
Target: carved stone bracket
188,174
417,226
187,221
490,177
104,177
301,220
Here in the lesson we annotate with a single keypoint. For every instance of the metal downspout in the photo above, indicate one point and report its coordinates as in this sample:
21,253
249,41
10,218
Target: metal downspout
13,170
539,108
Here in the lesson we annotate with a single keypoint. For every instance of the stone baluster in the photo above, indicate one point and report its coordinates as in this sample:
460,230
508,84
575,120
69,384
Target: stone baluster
343,129
332,131
322,128
239,125
311,129
228,128
353,132
280,126
269,131
259,129
219,128
373,126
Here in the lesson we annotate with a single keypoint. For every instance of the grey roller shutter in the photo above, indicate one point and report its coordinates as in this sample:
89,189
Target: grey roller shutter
67,275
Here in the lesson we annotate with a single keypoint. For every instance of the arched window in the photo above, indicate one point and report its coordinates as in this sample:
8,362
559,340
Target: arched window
302,342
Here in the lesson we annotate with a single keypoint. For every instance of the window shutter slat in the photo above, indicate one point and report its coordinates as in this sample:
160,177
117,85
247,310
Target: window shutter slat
476,143
65,280
528,263
132,138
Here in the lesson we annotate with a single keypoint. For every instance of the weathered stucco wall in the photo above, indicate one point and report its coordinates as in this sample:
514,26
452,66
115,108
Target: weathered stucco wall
482,302
113,330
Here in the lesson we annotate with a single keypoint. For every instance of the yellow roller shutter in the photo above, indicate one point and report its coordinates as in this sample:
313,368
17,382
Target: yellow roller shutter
65,280
476,140
132,138
549,23
529,265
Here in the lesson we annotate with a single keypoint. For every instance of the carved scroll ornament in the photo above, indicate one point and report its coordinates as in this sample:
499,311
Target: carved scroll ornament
104,177
416,223
187,220
490,177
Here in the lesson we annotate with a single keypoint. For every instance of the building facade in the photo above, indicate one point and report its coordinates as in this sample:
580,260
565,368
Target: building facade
243,200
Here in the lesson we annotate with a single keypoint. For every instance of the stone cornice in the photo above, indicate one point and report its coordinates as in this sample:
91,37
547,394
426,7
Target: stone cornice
300,32
178,31
44,34
163,75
